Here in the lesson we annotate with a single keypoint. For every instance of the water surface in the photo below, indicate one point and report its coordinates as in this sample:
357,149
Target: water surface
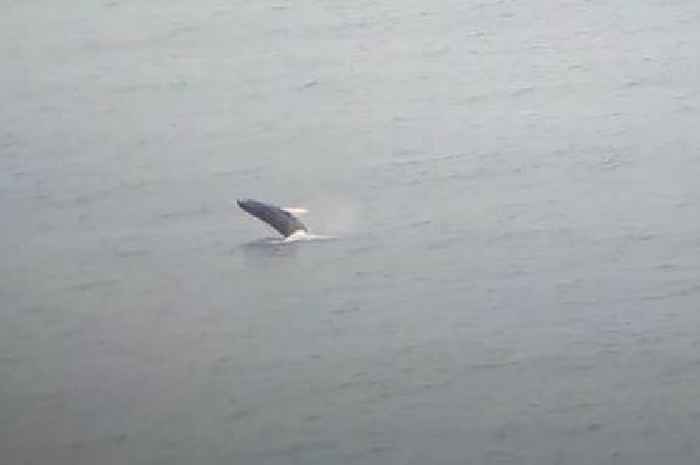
514,188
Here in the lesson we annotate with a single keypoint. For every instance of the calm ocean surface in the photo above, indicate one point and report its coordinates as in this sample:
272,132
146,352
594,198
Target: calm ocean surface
514,188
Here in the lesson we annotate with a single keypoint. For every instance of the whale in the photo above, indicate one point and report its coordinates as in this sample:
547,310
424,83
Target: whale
280,219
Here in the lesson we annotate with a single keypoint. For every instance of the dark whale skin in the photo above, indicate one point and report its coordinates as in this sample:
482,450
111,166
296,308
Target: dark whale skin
281,220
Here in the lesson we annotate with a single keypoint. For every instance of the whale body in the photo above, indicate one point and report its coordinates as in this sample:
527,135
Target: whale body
280,219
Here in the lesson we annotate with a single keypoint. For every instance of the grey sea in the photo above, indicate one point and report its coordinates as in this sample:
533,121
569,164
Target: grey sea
512,188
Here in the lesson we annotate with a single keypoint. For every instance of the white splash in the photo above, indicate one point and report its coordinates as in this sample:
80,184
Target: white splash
305,236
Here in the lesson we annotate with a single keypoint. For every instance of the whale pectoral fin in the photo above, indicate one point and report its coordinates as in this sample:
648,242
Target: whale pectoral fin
296,210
